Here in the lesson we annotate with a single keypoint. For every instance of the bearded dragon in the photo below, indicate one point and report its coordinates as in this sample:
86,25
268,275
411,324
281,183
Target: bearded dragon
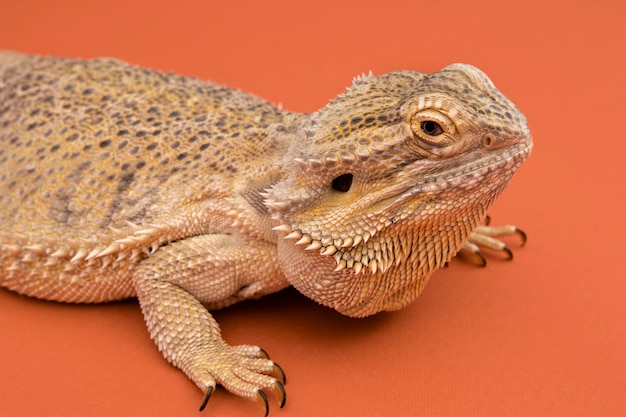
118,181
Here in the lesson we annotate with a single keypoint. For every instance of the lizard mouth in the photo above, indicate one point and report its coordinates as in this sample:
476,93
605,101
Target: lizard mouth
455,175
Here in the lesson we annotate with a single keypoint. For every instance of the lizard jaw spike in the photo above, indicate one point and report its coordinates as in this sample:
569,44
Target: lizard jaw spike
373,266
347,242
80,255
62,252
282,228
112,248
304,240
294,235
329,250
338,257
132,225
316,244
340,265
38,249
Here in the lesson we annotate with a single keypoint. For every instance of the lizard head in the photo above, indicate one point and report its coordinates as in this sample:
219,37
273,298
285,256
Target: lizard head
386,183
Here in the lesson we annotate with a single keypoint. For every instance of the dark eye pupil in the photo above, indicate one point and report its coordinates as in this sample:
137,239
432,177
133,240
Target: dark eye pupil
431,128
342,183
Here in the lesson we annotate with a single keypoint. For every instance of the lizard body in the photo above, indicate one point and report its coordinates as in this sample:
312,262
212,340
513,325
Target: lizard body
120,182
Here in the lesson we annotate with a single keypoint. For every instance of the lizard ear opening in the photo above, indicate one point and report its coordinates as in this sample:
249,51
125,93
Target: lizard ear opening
342,183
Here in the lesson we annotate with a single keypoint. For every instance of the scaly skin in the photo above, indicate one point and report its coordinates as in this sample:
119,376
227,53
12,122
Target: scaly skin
121,182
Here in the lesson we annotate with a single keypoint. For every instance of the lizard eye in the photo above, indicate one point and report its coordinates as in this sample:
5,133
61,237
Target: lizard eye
431,128
342,183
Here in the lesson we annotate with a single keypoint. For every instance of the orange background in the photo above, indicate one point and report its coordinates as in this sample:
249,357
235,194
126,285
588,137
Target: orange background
543,335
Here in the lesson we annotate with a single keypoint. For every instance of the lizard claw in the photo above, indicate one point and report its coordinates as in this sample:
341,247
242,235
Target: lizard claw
279,373
209,391
522,236
282,395
472,249
262,398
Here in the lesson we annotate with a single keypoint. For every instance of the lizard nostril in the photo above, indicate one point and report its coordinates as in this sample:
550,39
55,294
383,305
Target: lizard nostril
488,140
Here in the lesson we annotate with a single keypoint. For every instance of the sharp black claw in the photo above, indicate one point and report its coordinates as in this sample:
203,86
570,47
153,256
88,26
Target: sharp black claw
280,372
209,391
263,398
522,235
508,252
282,395
487,219
482,262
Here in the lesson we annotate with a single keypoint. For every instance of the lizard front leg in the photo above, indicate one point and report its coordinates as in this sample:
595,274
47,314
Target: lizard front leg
174,285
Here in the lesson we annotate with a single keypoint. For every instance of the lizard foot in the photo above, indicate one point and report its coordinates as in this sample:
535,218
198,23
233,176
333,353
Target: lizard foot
486,236
243,370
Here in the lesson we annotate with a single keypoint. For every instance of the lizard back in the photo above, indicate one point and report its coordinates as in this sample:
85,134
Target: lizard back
98,152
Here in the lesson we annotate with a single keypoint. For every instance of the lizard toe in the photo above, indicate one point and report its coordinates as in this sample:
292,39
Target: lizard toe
488,237
250,351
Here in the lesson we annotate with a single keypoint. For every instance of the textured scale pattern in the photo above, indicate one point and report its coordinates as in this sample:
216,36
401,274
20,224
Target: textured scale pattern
117,181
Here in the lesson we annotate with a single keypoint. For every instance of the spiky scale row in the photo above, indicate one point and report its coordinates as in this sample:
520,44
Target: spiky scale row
348,252
87,253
